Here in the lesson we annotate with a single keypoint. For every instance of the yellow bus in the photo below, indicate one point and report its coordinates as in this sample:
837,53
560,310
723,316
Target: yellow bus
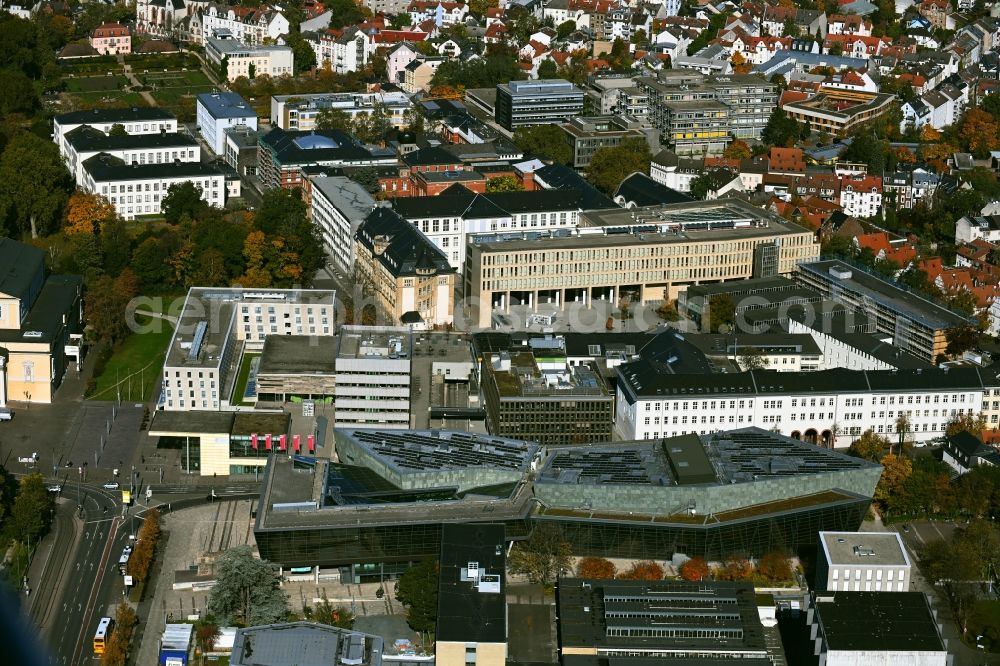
104,629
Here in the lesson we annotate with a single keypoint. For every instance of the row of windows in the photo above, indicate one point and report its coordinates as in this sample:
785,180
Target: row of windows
890,573
813,402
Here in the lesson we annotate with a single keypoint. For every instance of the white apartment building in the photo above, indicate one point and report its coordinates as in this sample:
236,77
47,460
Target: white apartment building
861,196
217,326
339,205
373,377
136,120
85,142
862,562
138,189
300,112
829,407
250,26
986,227
347,53
449,220
249,61
216,112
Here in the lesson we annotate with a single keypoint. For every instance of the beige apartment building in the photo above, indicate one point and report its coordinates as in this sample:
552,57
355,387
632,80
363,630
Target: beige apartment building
649,254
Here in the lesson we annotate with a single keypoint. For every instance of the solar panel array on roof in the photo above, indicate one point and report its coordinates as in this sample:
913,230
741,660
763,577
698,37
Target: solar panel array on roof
745,455
438,450
640,465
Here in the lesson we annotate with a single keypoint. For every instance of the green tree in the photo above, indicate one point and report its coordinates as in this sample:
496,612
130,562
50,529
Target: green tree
282,217
869,150
343,12
610,166
960,339
869,446
31,514
504,184
251,71
895,470
548,69
333,119
565,29
400,21
417,589
326,613
372,127
183,199
753,358
27,162
117,130
19,94
721,313
116,246
974,424
546,141
781,130
700,186
246,590
542,556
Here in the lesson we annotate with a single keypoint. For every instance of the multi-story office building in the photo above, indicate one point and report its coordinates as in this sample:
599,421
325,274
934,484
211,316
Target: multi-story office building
713,621
701,117
339,205
216,326
248,60
85,142
138,189
300,112
587,135
543,102
653,252
213,443
373,377
530,396
907,630
413,282
283,154
831,407
840,112
241,149
383,504
135,120
862,562
916,324
452,217
218,111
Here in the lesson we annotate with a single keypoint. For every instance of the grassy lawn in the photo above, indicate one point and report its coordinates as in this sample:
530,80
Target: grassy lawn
241,380
95,83
145,350
985,620
111,97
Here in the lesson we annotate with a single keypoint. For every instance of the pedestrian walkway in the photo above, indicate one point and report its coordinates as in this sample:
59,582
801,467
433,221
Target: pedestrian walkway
149,99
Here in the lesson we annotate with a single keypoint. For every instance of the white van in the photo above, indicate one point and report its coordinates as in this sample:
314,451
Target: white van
6,414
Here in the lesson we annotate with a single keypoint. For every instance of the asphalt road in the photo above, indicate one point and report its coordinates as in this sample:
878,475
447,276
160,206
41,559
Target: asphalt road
87,581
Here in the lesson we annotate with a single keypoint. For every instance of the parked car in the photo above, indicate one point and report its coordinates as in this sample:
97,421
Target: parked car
6,414
111,485
55,488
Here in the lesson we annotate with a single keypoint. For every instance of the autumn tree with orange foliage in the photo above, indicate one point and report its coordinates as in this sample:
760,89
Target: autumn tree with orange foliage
116,648
905,155
775,567
596,567
936,155
980,133
928,134
738,150
695,569
444,91
643,571
734,568
740,64
86,213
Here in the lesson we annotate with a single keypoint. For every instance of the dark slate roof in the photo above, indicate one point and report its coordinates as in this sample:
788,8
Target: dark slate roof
134,114
88,139
558,176
103,167
51,309
458,201
408,248
465,612
19,266
287,150
431,155
880,621
226,105
642,190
